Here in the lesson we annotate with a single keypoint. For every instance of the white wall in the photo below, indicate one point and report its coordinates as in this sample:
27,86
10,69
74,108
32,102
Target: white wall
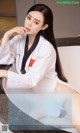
70,57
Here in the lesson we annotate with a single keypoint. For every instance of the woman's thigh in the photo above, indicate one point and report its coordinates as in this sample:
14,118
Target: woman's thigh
71,102
64,88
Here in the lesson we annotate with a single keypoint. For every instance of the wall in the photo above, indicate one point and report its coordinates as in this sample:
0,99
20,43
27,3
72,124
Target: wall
66,17
69,57
7,15
22,7
8,8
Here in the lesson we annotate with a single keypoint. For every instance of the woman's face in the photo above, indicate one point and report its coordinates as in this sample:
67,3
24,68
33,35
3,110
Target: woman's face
34,22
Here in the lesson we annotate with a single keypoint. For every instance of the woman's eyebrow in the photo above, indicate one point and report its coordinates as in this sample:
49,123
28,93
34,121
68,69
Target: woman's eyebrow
34,18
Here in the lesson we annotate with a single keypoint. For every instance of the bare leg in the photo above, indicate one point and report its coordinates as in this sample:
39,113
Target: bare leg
75,104
76,111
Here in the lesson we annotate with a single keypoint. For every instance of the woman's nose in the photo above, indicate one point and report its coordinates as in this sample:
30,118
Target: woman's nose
30,23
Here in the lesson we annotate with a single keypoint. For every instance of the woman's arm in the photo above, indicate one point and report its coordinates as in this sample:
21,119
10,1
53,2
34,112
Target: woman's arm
9,34
38,71
8,45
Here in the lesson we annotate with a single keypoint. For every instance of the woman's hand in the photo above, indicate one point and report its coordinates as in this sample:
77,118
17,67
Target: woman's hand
16,30
3,73
12,32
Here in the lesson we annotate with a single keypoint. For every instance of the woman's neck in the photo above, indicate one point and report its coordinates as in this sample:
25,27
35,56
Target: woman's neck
31,40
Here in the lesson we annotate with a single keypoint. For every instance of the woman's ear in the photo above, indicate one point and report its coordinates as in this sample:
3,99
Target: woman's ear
45,27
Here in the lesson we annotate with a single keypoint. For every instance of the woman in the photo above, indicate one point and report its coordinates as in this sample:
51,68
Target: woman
35,59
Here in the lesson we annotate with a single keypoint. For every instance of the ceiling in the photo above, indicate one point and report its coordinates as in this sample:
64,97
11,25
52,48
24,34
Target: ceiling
7,7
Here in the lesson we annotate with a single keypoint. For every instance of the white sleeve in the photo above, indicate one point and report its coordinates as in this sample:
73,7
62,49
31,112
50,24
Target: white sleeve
40,68
8,51
5,55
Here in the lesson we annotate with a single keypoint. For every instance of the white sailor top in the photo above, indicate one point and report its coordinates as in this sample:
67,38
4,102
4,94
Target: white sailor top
40,73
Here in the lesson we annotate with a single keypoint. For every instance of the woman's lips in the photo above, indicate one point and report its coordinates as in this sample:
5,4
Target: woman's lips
28,29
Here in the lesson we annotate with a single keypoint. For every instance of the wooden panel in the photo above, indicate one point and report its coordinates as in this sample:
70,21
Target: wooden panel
6,23
7,7
71,41
7,15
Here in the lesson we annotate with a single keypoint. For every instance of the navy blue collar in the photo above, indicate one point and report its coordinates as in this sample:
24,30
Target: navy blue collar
27,52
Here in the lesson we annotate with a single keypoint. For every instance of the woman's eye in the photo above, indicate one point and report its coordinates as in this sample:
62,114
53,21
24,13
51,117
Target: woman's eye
28,18
36,23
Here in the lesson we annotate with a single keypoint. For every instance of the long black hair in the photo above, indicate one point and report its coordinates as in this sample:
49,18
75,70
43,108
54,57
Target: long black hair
49,34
